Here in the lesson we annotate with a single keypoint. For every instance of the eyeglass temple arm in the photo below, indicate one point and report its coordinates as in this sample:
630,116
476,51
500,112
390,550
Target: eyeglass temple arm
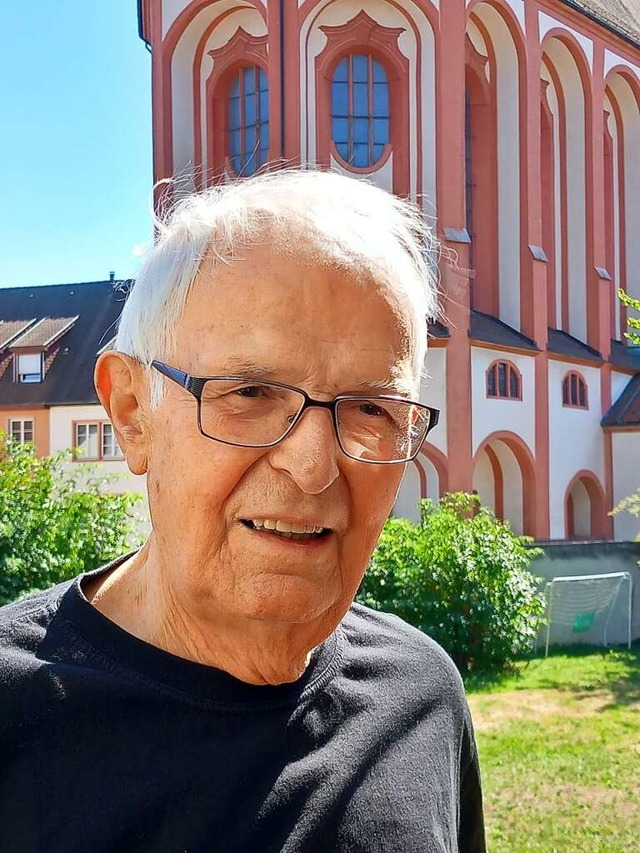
178,376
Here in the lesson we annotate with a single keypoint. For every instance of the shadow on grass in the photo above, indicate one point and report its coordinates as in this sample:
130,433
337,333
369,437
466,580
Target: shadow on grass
625,688
579,670
619,673
488,680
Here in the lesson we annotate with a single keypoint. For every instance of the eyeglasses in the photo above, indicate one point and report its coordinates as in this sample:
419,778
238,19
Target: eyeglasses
246,412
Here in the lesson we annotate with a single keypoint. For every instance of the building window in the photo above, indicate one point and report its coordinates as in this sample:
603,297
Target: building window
96,440
86,441
29,367
110,446
360,109
574,391
503,381
248,120
20,430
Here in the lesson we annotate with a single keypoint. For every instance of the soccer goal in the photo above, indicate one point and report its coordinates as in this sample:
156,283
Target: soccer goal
584,603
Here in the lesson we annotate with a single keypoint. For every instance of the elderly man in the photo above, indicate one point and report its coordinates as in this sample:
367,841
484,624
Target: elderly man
218,690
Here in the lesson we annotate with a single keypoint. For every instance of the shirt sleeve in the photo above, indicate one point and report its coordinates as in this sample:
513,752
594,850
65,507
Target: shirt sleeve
471,831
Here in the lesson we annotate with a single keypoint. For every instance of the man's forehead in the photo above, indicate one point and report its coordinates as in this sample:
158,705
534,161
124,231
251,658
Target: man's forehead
292,252
282,318
278,278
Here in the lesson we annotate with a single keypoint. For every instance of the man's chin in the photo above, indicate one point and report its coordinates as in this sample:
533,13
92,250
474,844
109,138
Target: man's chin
294,601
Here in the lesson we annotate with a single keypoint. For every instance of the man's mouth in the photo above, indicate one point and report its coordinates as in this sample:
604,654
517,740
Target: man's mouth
286,529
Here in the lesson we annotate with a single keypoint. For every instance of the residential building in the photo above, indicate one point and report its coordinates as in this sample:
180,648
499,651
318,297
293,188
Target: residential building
49,340
516,126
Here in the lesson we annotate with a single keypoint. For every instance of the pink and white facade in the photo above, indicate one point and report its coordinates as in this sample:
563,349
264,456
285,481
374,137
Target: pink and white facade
516,126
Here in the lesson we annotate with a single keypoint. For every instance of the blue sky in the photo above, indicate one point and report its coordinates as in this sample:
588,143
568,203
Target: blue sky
75,141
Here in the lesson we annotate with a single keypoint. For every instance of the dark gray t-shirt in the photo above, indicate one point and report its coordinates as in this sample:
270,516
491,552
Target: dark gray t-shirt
110,744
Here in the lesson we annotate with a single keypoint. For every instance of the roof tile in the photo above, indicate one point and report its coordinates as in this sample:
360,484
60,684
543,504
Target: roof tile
10,329
562,343
44,332
626,410
625,355
621,15
490,330
438,330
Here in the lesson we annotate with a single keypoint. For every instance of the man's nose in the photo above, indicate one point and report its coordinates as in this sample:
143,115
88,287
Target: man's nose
309,453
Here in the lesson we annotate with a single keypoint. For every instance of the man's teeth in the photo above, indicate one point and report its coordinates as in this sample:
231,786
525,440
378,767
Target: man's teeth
285,527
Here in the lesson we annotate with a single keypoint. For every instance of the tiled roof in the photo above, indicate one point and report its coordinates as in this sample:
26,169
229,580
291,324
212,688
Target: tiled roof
626,410
44,333
623,16
623,355
438,330
10,329
562,343
69,379
490,330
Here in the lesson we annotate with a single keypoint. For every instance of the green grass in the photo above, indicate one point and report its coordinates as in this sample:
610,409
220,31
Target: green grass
559,745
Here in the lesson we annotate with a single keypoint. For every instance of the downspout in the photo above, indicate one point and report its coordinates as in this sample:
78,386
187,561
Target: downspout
147,44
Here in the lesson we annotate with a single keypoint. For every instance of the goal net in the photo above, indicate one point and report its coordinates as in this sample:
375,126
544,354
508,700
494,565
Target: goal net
579,607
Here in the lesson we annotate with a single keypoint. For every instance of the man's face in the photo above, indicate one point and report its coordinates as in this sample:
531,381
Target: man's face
306,325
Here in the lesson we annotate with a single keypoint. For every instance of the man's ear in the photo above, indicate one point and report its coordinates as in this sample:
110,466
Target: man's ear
122,390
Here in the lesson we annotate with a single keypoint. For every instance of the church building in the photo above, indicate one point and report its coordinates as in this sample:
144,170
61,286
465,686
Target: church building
515,125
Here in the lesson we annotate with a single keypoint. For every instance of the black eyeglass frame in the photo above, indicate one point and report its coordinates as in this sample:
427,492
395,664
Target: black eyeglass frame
195,386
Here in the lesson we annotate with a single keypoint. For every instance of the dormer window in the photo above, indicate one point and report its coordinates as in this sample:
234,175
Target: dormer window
29,367
34,345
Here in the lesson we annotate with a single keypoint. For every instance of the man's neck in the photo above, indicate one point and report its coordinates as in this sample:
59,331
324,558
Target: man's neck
255,652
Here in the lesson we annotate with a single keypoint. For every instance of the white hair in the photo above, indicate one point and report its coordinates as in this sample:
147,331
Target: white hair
341,220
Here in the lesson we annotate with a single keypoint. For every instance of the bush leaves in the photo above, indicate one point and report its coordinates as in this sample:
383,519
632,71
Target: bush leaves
462,576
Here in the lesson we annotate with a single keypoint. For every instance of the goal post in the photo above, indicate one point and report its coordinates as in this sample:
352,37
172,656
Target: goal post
585,602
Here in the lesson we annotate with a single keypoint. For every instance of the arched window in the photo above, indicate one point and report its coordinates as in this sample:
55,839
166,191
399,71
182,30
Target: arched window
574,391
360,109
248,120
503,381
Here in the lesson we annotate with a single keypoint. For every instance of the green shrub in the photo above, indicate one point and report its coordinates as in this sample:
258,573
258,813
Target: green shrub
632,322
55,521
462,577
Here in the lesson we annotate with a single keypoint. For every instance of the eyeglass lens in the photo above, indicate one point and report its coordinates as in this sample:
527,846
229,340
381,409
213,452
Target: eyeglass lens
260,413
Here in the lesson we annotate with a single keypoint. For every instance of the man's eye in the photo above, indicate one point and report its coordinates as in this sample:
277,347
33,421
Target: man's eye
251,391
372,410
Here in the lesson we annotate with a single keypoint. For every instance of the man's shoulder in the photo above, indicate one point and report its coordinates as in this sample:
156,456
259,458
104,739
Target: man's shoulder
388,629
406,651
33,605
24,623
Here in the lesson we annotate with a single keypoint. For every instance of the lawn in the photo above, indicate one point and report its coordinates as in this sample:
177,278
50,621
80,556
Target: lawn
560,752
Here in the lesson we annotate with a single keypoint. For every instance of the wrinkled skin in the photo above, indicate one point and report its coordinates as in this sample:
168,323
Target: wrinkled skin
204,586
